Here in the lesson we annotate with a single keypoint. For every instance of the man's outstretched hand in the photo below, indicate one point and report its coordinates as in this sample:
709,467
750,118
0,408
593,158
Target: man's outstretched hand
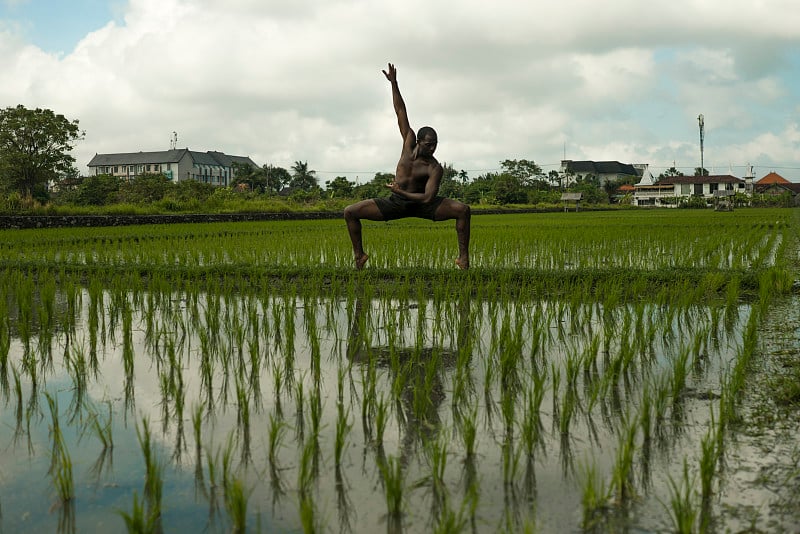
391,75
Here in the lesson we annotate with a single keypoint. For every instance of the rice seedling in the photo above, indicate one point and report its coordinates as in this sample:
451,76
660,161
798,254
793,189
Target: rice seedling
139,521
275,434
681,509
236,497
299,410
103,431
393,479
622,474
154,483
594,496
60,461
437,450
343,427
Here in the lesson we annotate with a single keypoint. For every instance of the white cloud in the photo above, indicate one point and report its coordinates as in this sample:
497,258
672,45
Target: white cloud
287,81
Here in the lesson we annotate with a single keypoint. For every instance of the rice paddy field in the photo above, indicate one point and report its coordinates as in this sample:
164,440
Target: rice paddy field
584,376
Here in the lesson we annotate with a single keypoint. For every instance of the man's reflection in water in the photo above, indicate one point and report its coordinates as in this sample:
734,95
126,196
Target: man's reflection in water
415,371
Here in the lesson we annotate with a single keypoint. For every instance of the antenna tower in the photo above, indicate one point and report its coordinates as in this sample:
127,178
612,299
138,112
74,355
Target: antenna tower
701,122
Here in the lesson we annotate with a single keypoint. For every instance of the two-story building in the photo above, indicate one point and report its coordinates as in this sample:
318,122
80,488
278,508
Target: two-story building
179,164
668,191
604,171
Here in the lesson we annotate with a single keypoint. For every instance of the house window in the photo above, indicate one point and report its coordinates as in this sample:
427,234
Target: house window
712,188
686,189
116,169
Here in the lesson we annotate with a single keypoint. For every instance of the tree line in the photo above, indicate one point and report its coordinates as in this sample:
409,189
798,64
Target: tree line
36,162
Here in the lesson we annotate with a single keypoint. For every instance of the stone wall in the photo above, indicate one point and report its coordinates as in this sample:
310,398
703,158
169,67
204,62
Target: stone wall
55,221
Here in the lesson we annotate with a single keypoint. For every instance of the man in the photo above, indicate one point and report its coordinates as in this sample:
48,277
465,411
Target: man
414,190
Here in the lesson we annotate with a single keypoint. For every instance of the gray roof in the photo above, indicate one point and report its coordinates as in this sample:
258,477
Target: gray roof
601,167
138,158
211,158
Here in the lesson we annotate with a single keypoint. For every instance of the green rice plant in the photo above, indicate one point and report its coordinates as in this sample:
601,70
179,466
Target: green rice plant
275,434
103,431
315,411
468,430
450,521
343,427
622,474
299,409
61,474
708,461
680,369
394,488
138,521
595,496
645,414
436,451
243,417
568,407
236,497
5,346
212,461
681,509
197,427
153,484
531,429
308,515
308,467
277,384
227,460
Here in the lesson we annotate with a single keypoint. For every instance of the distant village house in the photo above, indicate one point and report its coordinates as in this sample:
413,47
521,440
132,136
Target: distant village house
216,168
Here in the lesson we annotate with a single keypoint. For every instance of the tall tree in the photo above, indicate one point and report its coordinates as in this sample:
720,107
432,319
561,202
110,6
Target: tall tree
35,147
276,177
672,171
525,171
340,187
302,177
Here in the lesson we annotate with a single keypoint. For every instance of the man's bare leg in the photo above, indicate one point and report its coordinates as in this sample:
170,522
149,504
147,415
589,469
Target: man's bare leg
452,209
366,209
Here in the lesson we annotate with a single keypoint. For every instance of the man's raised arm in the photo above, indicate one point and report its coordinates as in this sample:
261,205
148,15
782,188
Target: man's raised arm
397,100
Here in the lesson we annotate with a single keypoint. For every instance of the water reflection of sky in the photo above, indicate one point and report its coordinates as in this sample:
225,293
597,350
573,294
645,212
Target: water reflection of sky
352,338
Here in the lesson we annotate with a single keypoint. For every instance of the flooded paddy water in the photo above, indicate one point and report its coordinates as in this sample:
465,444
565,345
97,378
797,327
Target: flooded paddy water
600,372
355,413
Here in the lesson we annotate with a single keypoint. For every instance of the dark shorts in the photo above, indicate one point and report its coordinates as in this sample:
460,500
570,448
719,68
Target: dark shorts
397,207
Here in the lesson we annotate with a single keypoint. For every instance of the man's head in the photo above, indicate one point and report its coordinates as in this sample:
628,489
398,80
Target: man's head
427,140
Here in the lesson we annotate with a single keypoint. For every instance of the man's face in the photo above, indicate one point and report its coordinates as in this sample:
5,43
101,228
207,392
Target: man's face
427,145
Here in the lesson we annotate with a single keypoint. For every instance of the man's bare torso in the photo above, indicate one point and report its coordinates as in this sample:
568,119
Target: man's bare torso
412,174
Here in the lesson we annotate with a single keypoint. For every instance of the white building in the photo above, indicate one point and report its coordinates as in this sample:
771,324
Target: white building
211,167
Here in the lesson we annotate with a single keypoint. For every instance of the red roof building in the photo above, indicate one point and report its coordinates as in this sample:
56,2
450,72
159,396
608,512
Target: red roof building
773,178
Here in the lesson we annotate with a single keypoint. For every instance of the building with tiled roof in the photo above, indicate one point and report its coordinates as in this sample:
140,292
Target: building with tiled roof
774,185
773,178
671,190
177,164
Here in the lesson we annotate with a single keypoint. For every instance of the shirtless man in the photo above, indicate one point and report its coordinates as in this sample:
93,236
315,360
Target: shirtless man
414,190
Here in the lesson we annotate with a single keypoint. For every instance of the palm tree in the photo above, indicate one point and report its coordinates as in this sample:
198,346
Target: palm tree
302,177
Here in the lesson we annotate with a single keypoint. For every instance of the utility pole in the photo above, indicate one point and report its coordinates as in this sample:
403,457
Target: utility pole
702,123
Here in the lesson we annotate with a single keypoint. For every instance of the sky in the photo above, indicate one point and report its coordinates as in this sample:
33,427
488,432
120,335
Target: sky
301,81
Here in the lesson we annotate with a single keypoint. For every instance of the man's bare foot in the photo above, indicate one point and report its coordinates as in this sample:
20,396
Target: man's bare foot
360,261
462,264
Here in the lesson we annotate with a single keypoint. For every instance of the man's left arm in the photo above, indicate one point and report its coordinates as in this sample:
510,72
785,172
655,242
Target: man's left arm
431,187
